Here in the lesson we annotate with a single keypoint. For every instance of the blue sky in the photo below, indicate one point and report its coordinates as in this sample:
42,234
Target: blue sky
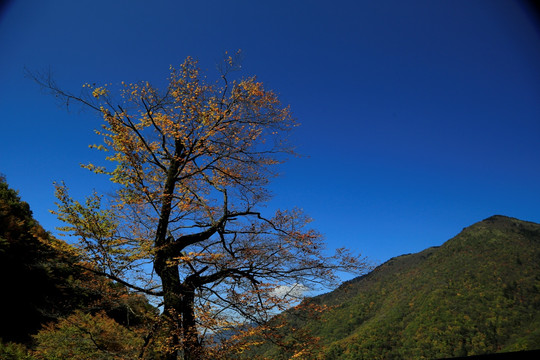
418,118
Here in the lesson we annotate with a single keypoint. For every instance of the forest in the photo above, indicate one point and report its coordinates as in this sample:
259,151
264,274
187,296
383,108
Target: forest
478,293
54,307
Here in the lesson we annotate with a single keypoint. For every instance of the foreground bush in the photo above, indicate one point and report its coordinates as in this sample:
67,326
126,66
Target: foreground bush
83,337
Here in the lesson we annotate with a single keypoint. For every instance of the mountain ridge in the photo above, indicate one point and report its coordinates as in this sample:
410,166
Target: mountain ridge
477,293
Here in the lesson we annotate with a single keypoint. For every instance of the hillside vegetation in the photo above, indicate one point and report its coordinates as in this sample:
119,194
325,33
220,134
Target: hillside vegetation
478,293
50,303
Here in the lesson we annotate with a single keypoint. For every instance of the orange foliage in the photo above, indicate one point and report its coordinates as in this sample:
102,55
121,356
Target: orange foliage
191,164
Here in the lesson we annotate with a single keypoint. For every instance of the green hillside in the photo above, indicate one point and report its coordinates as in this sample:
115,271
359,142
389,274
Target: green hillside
478,293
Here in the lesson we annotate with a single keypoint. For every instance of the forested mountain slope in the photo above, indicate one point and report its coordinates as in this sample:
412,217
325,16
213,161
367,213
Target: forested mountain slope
37,286
40,282
478,293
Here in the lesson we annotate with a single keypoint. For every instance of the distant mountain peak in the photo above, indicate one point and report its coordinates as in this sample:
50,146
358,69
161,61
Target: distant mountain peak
500,218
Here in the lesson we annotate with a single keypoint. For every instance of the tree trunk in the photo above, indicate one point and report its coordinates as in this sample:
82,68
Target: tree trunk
170,277
172,305
192,346
179,311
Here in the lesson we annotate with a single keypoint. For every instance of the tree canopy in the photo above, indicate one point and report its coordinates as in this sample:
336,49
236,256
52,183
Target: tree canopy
191,164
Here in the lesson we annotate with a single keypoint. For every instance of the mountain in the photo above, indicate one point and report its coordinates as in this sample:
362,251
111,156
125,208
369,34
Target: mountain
40,283
34,279
478,293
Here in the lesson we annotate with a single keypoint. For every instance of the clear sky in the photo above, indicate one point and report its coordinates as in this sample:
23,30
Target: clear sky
418,117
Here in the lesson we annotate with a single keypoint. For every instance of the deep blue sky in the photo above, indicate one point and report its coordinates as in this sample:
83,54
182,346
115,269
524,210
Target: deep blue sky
418,117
